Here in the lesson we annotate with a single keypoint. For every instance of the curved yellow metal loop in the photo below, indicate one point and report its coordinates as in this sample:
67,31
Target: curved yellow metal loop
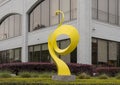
62,20
53,48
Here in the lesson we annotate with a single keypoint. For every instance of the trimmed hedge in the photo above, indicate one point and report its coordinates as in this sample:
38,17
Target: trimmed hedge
81,68
111,71
42,67
28,67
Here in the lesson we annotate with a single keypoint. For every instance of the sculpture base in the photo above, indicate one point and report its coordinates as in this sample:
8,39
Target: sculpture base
64,78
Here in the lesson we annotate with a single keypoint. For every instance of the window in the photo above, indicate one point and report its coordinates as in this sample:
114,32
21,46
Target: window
30,54
41,53
118,55
103,10
0,57
32,21
113,50
106,53
17,53
94,51
4,57
65,7
12,55
45,56
54,5
106,11
63,45
10,27
6,27
2,31
36,17
17,25
102,52
73,9
119,12
72,57
94,9
43,15
112,11
36,57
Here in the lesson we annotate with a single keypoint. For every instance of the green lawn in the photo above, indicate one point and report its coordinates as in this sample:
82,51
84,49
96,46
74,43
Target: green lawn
48,81
44,78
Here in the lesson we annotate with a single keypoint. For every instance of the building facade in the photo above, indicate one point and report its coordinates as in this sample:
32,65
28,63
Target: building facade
26,24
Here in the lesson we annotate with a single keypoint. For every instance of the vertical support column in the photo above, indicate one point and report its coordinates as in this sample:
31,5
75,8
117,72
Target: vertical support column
84,18
25,35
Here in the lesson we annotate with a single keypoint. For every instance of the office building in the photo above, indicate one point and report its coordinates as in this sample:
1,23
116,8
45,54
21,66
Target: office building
26,24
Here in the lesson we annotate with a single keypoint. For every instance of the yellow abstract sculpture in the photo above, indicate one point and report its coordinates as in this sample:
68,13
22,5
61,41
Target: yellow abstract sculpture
73,34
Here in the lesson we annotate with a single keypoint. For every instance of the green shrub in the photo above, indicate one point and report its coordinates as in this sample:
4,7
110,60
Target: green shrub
118,76
83,76
25,74
5,75
103,76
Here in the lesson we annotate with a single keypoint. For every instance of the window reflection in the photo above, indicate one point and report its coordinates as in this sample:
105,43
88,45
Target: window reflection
106,11
9,56
41,53
44,14
105,53
10,27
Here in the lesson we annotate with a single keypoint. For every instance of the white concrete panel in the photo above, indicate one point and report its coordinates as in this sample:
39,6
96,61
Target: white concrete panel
11,43
105,31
